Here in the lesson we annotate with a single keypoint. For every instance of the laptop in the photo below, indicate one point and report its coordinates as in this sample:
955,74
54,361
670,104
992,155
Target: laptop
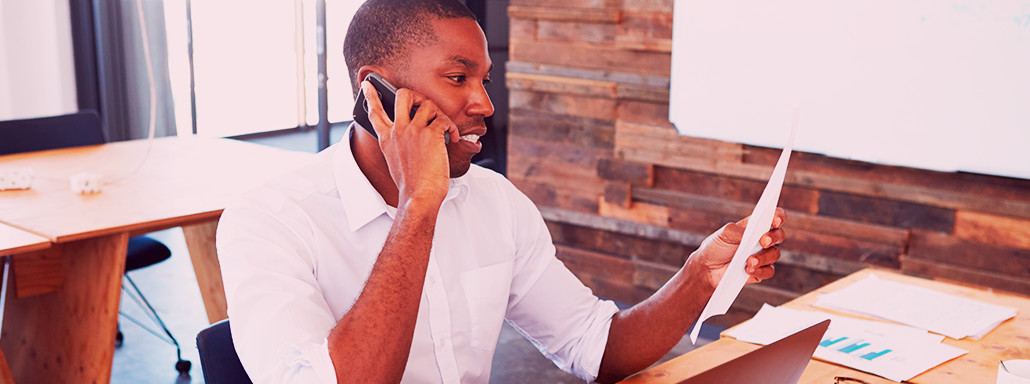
781,362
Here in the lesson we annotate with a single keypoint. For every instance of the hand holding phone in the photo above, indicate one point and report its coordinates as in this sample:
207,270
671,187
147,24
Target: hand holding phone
387,96
415,156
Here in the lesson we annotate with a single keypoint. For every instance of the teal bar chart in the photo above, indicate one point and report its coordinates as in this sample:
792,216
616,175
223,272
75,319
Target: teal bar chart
854,347
829,342
873,355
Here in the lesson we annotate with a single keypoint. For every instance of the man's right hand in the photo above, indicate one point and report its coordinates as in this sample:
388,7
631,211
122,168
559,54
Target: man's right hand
414,150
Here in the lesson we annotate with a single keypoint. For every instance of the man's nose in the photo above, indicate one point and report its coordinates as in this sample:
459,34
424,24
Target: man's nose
480,103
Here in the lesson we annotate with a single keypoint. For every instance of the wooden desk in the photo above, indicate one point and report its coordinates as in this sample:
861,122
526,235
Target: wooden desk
62,314
1011,340
14,241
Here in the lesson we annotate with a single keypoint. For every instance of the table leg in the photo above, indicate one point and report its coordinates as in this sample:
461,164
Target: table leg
5,371
67,336
200,240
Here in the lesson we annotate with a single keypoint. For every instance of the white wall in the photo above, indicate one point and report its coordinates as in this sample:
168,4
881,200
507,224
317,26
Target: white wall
942,85
37,76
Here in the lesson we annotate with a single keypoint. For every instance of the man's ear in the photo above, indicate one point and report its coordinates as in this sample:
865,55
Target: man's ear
365,70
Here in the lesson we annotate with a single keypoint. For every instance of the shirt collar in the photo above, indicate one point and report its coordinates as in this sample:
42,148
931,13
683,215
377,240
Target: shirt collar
360,200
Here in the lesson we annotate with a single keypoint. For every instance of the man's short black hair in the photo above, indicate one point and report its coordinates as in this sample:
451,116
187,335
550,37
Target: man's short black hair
383,30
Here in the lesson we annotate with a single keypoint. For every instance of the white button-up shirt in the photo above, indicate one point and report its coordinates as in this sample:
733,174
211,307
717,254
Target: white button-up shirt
296,253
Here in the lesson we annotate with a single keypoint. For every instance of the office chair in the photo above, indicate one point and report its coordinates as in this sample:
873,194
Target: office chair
218,356
80,129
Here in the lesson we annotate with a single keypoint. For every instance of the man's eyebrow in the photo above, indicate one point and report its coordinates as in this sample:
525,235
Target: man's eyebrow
468,63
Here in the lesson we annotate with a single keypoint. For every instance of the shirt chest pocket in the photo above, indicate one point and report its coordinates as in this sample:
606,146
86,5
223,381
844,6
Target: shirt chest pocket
486,290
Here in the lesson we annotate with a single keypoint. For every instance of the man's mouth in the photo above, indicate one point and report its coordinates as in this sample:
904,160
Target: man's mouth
471,137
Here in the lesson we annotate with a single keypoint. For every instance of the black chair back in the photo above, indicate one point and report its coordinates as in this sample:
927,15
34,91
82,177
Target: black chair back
37,134
218,356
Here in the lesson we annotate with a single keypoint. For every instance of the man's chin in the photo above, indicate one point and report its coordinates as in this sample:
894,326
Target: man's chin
459,168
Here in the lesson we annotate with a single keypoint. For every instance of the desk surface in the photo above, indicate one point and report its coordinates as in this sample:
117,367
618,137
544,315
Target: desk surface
182,180
14,240
1011,340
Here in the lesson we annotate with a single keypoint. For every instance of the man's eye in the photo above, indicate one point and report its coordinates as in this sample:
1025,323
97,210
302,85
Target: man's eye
486,81
457,78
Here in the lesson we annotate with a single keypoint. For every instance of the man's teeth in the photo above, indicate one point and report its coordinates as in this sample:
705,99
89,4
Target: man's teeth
470,137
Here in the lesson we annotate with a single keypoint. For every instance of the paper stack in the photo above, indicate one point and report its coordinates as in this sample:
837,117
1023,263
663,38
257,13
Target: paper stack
924,308
893,351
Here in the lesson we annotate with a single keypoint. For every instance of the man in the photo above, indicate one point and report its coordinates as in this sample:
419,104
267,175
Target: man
396,260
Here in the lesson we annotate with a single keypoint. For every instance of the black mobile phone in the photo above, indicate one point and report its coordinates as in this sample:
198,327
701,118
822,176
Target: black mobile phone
387,95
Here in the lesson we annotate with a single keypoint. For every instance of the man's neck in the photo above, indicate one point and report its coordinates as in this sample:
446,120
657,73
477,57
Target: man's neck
372,164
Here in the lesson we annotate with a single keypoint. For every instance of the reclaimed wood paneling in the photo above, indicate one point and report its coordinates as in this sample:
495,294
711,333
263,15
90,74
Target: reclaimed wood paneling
887,212
639,212
563,129
627,198
565,13
641,174
623,245
572,31
992,229
645,31
591,56
951,250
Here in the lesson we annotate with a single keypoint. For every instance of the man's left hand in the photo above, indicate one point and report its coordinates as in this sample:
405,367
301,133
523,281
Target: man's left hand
716,252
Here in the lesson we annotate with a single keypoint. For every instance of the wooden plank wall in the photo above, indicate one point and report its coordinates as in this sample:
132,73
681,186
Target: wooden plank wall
627,198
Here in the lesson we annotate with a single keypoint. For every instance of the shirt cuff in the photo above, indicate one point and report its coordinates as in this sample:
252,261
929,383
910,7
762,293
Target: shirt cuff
590,360
322,363
310,364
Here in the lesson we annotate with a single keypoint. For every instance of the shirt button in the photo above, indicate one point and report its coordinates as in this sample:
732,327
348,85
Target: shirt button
431,280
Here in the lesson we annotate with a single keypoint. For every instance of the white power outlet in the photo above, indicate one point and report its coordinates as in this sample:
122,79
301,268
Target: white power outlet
15,178
84,182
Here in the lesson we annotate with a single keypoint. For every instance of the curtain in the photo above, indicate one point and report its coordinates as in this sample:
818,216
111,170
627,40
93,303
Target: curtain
122,70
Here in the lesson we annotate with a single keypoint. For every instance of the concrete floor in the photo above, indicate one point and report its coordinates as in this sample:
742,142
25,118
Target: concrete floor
171,288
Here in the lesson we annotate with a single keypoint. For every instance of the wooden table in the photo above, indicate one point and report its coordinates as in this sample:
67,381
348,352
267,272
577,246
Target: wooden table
62,314
14,241
1011,340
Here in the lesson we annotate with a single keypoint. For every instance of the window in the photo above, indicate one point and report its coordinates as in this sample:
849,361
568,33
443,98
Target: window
255,66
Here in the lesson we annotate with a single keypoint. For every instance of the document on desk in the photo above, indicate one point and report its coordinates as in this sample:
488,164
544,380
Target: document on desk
893,351
924,308
758,224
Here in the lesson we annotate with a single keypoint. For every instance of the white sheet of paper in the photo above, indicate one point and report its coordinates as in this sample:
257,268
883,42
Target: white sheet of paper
1014,372
953,316
757,225
896,352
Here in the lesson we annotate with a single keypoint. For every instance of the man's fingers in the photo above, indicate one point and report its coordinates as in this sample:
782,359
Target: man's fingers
380,121
443,124
779,218
773,237
762,259
405,100
763,273
427,113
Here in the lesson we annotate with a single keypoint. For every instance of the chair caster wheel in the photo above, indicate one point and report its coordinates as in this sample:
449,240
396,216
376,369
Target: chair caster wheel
183,366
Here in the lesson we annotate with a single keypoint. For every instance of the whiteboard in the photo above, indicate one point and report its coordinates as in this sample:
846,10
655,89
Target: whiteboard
940,85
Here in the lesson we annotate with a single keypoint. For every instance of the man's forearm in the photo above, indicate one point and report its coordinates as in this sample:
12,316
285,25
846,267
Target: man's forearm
372,341
641,335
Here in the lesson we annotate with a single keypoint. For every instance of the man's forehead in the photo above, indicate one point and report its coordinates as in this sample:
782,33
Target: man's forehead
458,42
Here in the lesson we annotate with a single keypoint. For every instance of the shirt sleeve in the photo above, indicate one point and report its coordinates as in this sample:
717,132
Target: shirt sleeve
280,319
550,306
